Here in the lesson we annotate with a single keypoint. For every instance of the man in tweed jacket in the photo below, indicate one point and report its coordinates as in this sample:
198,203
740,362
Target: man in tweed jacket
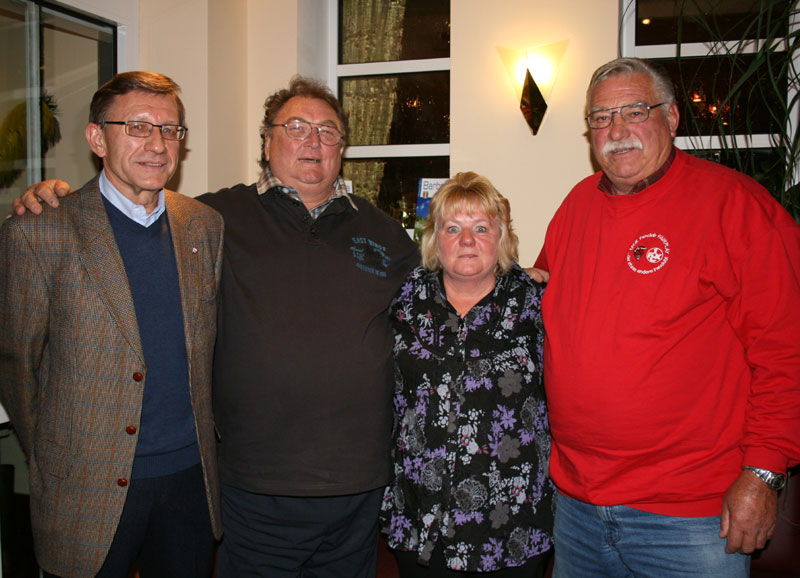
107,327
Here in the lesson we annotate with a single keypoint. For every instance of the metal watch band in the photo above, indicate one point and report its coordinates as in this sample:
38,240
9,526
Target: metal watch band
773,480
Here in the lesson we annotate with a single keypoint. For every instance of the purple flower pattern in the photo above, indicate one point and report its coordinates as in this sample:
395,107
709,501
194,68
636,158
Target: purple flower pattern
472,440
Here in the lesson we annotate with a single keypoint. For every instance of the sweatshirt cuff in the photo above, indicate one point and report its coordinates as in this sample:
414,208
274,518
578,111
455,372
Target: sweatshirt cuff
767,459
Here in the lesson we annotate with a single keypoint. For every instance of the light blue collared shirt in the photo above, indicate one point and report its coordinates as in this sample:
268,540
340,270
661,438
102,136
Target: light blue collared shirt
136,213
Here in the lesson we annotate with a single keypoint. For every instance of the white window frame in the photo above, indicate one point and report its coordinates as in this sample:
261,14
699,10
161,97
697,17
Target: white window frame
628,47
125,16
338,71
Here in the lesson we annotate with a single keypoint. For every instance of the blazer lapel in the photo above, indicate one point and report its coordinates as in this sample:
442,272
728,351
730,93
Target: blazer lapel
185,246
103,262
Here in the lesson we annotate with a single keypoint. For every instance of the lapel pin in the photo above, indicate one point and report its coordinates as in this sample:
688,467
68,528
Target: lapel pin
194,249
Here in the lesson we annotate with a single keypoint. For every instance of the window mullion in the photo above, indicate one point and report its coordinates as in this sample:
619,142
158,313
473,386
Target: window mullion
33,92
393,67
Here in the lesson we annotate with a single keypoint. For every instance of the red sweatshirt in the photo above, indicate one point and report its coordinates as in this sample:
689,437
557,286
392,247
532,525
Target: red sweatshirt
672,352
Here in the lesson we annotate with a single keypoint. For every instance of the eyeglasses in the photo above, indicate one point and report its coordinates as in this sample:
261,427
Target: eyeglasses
301,129
143,129
630,113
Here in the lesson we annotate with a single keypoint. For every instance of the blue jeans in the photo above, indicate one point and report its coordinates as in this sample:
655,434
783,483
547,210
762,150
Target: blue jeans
621,542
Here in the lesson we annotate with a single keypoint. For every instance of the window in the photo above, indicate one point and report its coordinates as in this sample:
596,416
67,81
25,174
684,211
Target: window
53,61
732,77
393,79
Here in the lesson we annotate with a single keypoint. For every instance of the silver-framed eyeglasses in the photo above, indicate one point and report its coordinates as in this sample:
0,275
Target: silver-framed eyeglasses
297,129
630,113
143,129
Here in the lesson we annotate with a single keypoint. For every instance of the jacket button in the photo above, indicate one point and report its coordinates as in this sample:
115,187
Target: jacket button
137,376
130,430
122,482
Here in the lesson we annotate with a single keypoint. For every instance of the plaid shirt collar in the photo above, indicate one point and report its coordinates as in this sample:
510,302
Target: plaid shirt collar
269,181
607,186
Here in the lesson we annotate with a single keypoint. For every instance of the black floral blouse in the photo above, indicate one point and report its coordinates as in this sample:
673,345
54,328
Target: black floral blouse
472,440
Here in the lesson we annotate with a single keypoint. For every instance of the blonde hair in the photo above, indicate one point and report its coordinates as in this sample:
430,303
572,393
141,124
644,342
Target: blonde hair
471,192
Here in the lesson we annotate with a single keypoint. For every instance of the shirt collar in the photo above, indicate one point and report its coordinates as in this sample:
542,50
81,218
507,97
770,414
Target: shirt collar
269,181
607,186
134,212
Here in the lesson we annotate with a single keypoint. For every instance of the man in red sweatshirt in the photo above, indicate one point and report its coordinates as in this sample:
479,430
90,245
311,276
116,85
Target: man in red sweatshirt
672,354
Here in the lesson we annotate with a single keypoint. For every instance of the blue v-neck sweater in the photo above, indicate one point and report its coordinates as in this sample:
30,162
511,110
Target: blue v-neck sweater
167,440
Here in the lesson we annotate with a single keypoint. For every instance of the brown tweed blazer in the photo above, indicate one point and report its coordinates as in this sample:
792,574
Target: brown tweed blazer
70,356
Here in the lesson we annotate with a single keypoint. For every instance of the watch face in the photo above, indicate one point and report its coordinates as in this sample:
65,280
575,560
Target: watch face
777,482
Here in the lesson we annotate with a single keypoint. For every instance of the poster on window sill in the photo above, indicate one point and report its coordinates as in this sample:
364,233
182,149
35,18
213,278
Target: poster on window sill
427,188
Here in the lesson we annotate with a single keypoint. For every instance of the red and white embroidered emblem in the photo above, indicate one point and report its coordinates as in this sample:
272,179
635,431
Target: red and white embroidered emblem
648,254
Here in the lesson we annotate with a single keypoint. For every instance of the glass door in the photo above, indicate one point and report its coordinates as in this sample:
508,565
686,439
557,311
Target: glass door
53,59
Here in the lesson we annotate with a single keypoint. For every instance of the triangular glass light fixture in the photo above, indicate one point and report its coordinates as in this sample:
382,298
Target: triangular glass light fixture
532,73
532,103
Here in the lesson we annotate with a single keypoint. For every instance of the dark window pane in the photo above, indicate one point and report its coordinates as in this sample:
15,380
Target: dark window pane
703,85
391,184
384,30
397,109
681,21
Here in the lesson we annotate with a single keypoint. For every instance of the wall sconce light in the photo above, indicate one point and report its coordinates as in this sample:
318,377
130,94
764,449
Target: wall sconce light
533,73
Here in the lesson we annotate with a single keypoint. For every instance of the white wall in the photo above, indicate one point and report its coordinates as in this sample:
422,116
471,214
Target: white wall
489,134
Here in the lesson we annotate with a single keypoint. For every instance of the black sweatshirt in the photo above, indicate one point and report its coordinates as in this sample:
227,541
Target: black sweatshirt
302,367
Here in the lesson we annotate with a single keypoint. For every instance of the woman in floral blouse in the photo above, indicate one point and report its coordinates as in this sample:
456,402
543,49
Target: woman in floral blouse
470,491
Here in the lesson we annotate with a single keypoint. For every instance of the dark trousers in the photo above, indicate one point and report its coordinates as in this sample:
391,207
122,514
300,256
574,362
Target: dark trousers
289,537
407,564
165,529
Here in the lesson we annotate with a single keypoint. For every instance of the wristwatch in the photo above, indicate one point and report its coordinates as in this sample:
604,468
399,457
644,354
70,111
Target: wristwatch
773,480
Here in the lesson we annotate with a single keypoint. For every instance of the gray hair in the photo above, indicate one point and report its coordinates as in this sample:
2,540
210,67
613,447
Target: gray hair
662,83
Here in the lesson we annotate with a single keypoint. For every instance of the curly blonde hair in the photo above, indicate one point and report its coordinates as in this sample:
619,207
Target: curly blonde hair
472,192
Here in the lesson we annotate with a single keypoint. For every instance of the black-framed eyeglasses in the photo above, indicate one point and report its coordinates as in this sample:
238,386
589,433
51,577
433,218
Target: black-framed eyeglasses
143,129
630,113
301,129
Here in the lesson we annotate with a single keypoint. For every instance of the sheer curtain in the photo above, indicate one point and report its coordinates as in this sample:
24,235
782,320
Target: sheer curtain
372,31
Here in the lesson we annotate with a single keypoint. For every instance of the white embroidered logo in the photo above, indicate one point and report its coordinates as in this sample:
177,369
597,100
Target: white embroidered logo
648,253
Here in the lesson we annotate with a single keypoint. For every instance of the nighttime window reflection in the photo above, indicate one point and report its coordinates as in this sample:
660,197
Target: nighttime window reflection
392,183
398,109
381,31
702,85
395,106
763,164
673,21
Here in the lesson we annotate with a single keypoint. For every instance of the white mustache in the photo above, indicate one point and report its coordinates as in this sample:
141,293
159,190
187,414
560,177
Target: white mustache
613,146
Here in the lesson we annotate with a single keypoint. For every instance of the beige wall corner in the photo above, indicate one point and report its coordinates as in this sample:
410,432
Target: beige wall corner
227,57
227,93
272,60
489,134
173,40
